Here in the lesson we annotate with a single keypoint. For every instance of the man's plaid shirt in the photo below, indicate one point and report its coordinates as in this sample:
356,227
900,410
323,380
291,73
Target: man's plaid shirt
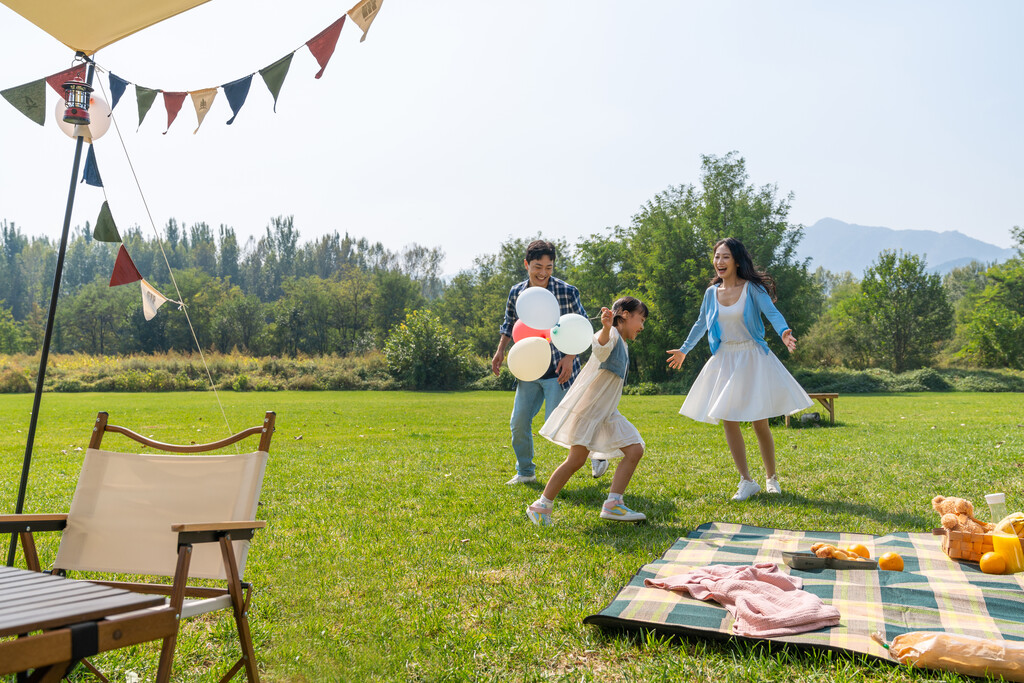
568,298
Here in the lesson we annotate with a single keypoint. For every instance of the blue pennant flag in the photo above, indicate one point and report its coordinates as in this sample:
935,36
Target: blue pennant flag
236,92
91,174
117,86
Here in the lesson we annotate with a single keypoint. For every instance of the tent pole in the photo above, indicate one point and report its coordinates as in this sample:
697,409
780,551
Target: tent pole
44,356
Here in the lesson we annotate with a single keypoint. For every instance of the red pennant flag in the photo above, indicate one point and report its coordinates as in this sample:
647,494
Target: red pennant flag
125,271
57,81
323,44
173,100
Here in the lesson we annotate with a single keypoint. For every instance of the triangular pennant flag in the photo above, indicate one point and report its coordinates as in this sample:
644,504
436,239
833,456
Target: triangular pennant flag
106,231
363,13
29,99
57,81
322,44
274,74
91,174
125,271
145,97
236,92
172,101
202,100
152,300
117,86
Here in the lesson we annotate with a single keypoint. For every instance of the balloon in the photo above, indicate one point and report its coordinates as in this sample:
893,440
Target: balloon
572,334
521,331
99,120
529,359
538,308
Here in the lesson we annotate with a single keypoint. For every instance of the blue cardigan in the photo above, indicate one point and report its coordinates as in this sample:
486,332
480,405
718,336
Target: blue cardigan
758,302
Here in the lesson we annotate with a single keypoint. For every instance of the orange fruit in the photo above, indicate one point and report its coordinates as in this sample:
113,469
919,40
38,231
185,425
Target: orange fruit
891,561
992,563
860,549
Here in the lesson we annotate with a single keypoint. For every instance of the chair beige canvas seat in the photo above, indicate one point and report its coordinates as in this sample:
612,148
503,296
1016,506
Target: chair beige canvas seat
171,515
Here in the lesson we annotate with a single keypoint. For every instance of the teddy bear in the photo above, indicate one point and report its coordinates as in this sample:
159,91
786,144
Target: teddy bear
958,515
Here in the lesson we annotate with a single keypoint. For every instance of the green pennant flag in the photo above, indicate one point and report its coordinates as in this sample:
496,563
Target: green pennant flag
145,97
274,74
105,230
29,99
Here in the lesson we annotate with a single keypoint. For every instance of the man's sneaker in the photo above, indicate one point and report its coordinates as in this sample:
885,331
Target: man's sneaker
746,489
771,485
598,467
539,514
520,479
618,511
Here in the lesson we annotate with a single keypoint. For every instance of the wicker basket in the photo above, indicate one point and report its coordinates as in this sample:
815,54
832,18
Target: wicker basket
961,545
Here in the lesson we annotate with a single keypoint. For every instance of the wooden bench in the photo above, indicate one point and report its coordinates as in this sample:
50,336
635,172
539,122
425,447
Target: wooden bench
827,400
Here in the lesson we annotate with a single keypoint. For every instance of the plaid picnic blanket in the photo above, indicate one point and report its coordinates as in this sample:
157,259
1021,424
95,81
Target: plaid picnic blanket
932,593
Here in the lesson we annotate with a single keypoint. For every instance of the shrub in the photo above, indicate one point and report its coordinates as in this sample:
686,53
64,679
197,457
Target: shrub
422,353
242,383
641,389
13,382
505,381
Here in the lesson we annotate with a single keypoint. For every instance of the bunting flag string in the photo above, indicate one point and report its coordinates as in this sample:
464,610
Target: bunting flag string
125,271
29,98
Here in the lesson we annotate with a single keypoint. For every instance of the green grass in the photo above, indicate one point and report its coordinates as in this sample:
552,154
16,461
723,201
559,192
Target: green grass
394,551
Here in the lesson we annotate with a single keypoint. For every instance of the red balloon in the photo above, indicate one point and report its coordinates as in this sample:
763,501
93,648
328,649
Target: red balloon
521,331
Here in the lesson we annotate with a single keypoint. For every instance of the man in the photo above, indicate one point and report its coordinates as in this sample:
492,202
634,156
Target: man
549,389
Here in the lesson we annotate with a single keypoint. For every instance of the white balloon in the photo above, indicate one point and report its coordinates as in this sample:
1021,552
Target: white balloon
530,358
99,120
538,308
572,334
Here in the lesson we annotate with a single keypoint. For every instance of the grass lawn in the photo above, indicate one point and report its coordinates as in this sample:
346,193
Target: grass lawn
394,551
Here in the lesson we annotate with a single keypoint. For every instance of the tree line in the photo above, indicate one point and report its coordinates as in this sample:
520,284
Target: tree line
336,294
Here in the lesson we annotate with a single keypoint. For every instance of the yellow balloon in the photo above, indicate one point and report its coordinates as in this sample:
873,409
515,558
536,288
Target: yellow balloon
529,359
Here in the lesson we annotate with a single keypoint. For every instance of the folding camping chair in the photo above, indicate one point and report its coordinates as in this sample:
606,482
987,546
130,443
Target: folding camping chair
173,516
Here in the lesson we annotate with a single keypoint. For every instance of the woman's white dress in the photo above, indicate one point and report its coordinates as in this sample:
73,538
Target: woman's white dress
742,383
588,414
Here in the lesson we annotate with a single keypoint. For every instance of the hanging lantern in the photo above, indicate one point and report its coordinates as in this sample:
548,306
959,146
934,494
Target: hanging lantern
76,102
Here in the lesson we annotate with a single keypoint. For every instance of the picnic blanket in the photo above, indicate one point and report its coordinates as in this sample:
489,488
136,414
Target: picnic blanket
932,593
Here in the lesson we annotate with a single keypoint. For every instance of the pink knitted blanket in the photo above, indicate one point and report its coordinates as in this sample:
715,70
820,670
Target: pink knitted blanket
764,602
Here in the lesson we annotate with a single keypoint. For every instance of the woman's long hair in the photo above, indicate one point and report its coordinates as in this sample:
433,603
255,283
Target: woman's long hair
745,267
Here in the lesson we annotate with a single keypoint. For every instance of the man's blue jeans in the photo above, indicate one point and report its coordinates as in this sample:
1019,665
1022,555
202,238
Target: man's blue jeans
529,396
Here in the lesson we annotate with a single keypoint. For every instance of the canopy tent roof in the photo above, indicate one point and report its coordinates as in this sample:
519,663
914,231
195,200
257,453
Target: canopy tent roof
88,25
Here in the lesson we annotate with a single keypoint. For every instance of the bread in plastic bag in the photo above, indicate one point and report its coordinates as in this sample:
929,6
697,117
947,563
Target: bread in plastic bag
963,654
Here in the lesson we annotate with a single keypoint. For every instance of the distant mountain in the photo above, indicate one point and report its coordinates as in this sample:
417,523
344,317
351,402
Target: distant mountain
840,246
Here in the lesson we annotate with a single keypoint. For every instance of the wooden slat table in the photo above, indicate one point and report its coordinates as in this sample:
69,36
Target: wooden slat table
61,621
827,400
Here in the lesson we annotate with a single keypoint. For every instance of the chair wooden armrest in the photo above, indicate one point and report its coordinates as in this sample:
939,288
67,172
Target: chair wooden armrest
219,526
25,526
211,532
13,524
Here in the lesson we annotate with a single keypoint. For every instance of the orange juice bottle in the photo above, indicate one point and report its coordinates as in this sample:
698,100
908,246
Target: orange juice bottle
1005,545
1008,546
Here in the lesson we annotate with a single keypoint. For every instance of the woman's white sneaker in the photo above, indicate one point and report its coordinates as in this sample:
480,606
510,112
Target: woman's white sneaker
771,485
746,489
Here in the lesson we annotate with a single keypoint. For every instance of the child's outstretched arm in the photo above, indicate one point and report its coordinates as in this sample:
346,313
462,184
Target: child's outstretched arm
606,326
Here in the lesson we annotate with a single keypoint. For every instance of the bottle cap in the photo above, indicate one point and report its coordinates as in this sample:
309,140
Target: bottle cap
995,498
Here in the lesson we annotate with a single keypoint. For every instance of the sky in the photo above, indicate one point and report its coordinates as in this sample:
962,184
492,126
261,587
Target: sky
462,124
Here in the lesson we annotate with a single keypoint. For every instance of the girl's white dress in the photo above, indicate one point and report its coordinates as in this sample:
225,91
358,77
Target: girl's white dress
741,382
588,414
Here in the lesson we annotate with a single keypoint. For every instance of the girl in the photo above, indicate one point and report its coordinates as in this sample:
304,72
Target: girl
743,381
587,421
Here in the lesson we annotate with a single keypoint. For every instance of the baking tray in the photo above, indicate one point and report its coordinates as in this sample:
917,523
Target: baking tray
809,561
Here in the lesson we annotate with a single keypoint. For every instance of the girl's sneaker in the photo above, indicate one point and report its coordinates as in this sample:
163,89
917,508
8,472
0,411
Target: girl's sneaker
746,489
772,485
539,514
618,511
